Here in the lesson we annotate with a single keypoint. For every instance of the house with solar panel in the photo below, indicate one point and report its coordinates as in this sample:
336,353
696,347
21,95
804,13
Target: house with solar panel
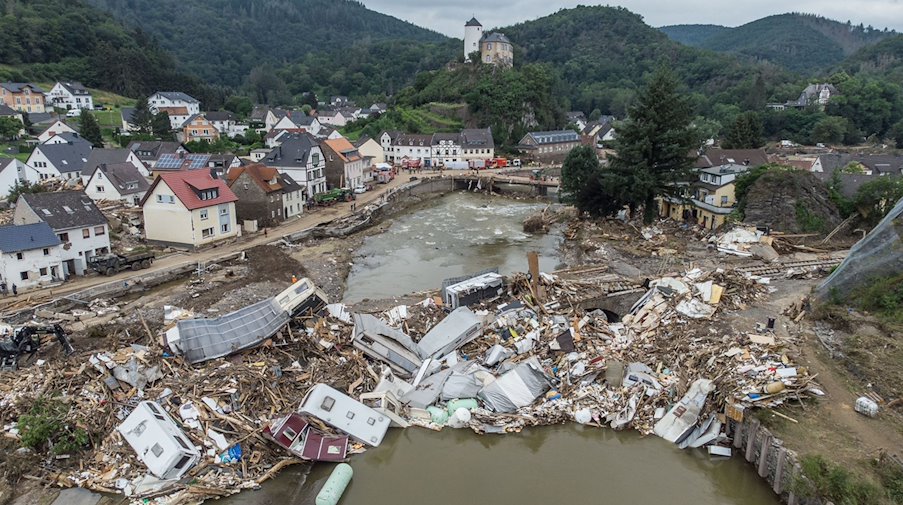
189,209
179,161
80,226
29,256
548,146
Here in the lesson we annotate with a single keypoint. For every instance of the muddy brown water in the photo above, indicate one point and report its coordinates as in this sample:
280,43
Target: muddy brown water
463,233
550,465
457,234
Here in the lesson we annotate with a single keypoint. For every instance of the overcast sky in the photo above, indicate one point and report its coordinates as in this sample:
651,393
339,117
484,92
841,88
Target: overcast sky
449,17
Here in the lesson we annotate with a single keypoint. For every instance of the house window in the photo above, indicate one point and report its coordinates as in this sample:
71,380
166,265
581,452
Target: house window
224,211
23,276
724,200
99,230
204,215
99,189
43,271
64,237
19,256
207,232
86,233
225,228
46,252
165,199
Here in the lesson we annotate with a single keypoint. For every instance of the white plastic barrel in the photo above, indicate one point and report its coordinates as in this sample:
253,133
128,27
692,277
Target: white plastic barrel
866,406
335,485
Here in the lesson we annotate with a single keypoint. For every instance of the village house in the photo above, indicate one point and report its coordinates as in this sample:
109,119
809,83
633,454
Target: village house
265,195
370,150
79,224
56,128
411,147
112,157
64,138
70,95
577,119
220,164
387,142
22,96
344,164
329,133
198,128
189,209
599,134
7,111
494,48
708,200
116,182
178,116
149,151
549,146
225,123
12,171
445,148
294,121
64,161
813,94
334,117
300,156
163,100
29,256
865,164
477,144
716,157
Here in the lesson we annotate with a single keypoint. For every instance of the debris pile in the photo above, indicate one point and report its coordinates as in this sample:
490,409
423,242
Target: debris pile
528,356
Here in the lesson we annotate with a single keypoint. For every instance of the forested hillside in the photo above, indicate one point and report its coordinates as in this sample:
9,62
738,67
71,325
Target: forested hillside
45,40
799,42
223,40
692,35
603,53
882,60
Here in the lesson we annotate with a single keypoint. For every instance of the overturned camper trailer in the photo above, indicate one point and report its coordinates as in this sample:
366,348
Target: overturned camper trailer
199,340
345,413
295,434
380,341
461,291
158,441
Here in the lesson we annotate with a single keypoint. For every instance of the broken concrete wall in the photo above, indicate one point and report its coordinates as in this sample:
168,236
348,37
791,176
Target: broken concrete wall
879,254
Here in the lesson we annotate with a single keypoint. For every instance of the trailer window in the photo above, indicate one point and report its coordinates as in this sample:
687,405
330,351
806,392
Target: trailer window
157,450
350,415
182,443
289,433
371,421
183,461
328,403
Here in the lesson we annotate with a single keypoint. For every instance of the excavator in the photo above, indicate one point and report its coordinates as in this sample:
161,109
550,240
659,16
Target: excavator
27,340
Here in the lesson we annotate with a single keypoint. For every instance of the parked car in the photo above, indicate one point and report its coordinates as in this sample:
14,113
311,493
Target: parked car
74,113
360,189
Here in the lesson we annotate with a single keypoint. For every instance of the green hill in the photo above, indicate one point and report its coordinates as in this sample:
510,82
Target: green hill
799,42
882,60
46,40
222,40
692,35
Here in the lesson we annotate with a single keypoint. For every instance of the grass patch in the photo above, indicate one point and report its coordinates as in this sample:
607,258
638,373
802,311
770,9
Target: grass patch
807,221
827,481
883,296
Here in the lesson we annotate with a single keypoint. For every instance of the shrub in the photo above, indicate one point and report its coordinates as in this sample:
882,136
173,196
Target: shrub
45,426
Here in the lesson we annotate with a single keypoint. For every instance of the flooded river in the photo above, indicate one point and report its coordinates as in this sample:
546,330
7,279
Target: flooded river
540,466
458,234
463,233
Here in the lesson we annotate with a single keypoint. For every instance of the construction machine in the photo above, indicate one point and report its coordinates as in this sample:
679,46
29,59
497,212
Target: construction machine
27,340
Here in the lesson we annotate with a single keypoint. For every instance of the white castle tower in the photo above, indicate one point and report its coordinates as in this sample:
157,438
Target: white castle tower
473,32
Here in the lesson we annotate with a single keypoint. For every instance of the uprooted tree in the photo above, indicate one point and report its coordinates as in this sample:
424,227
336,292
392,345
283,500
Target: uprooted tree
654,152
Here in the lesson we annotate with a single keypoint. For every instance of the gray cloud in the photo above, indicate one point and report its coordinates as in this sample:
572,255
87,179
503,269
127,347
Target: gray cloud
449,18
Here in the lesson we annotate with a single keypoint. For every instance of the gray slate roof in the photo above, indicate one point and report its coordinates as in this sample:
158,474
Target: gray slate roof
106,156
75,87
128,114
154,147
6,110
219,115
124,176
477,138
177,95
17,87
288,184
69,157
473,22
496,37
64,210
455,138
27,236
554,137
293,152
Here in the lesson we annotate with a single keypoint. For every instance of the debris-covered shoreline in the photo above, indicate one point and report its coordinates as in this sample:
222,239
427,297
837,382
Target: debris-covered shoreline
586,366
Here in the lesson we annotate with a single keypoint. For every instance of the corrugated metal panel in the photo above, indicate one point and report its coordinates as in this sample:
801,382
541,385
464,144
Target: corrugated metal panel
205,339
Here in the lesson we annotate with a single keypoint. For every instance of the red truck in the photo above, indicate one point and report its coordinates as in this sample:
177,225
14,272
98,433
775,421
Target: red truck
497,163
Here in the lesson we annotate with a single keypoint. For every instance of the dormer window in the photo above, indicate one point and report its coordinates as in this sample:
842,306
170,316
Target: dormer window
209,194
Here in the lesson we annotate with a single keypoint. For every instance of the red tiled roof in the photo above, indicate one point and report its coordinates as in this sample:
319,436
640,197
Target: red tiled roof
260,173
182,184
342,147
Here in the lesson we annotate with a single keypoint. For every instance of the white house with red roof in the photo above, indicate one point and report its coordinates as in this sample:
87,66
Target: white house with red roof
189,209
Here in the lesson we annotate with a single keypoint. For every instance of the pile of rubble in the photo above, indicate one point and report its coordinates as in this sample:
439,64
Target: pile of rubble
517,354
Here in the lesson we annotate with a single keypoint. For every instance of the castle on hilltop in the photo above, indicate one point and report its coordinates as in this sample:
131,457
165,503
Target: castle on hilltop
494,48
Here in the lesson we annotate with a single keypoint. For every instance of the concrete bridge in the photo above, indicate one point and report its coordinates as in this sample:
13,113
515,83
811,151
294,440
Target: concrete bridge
490,181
